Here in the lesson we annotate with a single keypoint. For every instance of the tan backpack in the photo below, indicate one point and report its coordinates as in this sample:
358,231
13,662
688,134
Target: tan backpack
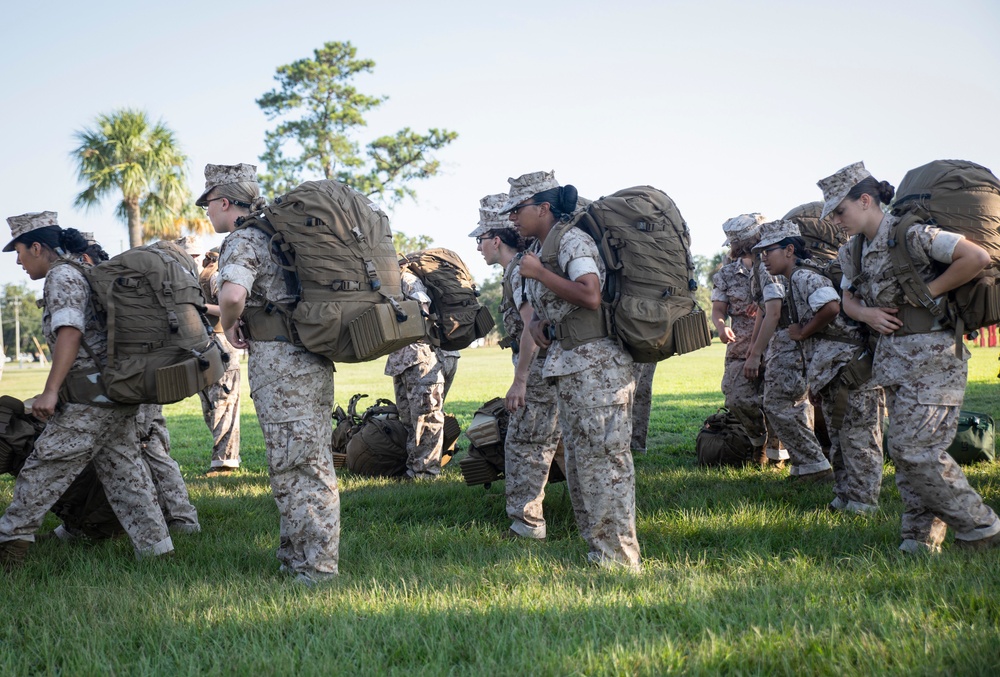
959,197
161,348
336,248
823,239
648,296
457,317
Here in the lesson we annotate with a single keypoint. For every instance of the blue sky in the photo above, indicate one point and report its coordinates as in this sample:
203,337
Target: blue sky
729,107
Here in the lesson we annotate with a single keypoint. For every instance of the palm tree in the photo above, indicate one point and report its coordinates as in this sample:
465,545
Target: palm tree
125,153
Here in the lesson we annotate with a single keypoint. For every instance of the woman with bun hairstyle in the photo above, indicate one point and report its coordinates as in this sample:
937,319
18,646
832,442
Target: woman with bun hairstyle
786,392
592,372
75,433
918,367
854,411
533,431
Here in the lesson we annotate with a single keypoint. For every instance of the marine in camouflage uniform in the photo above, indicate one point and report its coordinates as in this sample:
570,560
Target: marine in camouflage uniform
786,392
77,434
856,444
533,436
220,402
171,492
418,380
292,390
924,382
594,386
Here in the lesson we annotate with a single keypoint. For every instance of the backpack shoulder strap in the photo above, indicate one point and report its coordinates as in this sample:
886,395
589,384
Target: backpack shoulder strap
913,286
549,255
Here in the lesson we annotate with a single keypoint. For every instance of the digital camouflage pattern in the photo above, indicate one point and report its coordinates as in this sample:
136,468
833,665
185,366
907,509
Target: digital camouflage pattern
810,291
171,492
449,368
595,388
836,186
533,436
25,223
924,384
66,299
576,249
221,175
642,403
774,232
526,186
510,307
220,402
489,215
786,397
292,391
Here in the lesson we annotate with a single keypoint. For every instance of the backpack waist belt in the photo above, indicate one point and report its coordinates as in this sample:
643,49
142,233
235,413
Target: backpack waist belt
268,323
916,321
581,326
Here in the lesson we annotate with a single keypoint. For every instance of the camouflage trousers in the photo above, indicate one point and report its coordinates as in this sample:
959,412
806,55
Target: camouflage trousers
855,447
933,487
449,367
743,400
220,406
75,436
419,398
594,408
294,415
171,492
532,440
786,404
642,402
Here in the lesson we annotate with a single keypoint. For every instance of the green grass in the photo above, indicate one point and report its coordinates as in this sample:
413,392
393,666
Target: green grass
742,575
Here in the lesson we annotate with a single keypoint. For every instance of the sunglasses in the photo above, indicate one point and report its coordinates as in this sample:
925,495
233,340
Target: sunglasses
515,210
204,207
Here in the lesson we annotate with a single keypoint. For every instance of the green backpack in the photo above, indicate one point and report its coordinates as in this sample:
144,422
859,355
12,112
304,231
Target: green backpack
648,295
823,239
161,348
378,447
457,317
960,197
336,248
722,440
975,439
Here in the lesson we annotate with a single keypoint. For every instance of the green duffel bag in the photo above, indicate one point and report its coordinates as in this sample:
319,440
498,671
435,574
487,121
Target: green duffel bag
974,441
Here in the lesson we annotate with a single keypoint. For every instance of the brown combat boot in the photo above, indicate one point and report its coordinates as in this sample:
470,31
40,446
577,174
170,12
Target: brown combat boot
12,553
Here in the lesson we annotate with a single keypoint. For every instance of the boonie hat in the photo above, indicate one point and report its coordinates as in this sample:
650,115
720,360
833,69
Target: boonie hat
489,215
836,187
526,186
742,228
221,175
191,244
774,232
25,223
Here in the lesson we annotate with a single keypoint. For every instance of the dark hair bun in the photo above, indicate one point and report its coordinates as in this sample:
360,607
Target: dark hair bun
885,192
71,240
567,199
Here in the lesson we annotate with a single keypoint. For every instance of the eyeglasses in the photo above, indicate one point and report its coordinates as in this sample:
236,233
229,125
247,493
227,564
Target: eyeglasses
204,207
515,210
480,238
763,252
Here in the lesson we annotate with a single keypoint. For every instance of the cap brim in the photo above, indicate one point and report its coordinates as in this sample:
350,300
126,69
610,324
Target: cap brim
10,245
764,243
201,201
830,205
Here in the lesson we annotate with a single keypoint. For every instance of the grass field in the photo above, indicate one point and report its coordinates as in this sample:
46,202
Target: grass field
742,574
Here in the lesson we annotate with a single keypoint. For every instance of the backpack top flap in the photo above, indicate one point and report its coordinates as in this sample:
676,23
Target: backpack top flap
823,239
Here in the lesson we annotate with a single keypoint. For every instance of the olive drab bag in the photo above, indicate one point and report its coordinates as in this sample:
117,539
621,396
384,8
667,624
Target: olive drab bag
959,197
340,265
722,440
648,295
457,317
378,447
209,267
975,438
823,239
84,506
161,348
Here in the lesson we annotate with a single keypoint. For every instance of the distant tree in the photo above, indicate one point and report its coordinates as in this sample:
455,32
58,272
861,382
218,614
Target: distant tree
321,112
407,245
30,316
124,154
491,296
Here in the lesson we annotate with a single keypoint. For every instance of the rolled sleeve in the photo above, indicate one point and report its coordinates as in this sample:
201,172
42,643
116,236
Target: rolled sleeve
774,290
943,245
240,275
577,268
821,297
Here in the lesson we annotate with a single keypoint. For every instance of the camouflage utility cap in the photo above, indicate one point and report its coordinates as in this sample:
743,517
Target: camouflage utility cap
89,237
527,186
191,244
221,175
25,223
489,215
836,187
774,232
742,228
